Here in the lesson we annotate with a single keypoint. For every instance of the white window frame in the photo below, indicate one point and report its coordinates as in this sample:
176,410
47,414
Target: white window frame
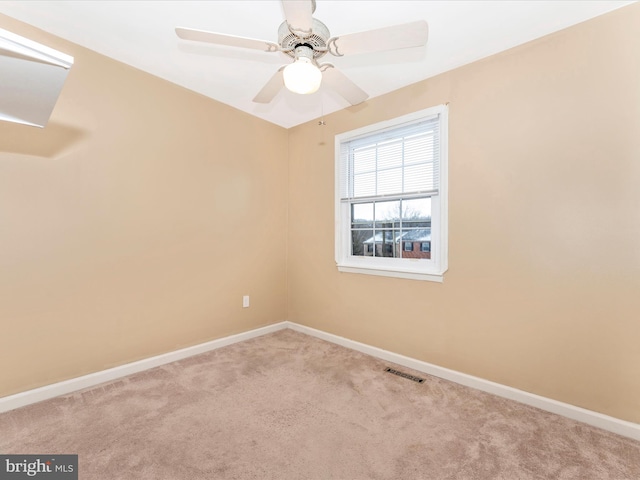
416,269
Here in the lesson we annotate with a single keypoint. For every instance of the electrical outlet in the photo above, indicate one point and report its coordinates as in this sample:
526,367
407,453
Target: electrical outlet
245,301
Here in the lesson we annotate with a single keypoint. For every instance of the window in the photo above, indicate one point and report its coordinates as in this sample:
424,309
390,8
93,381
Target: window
391,192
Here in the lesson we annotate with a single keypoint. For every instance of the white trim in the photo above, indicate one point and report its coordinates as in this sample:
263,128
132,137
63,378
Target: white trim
599,420
431,277
79,383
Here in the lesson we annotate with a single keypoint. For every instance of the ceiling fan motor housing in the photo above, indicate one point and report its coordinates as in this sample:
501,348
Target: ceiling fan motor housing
317,41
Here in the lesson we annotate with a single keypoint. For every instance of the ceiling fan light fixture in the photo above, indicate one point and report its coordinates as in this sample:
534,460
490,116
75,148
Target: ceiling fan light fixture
306,40
302,76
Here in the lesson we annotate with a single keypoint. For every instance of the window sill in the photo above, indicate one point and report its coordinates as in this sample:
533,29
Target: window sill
412,275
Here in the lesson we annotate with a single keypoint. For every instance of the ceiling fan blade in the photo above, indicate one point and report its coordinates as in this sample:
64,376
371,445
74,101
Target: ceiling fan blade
299,16
406,35
222,39
337,80
271,89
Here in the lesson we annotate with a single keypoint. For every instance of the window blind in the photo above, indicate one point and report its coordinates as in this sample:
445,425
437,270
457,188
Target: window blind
398,162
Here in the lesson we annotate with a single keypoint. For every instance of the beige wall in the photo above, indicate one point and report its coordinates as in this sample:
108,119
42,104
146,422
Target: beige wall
133,224
543,287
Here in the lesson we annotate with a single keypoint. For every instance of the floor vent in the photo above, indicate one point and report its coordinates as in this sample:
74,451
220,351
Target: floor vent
405,375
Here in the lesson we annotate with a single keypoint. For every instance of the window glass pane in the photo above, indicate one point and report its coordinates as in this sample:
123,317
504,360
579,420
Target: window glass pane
386,243
416,212
364,160
364,185
387,214
390,155
362,215
390,181
362,242
418,178
412,240
419,149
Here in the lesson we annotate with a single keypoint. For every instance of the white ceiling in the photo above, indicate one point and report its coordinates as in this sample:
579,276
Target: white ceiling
141,34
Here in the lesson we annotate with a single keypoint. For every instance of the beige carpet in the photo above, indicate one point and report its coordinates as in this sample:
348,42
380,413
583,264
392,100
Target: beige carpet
290,406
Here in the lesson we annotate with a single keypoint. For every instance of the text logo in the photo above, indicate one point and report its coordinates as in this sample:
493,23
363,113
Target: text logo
45,467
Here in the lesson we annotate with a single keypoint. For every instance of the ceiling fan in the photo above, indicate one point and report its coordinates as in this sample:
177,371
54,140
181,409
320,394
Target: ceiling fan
307,40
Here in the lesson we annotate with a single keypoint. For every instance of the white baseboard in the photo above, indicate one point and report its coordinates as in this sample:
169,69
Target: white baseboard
74,384
599,420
